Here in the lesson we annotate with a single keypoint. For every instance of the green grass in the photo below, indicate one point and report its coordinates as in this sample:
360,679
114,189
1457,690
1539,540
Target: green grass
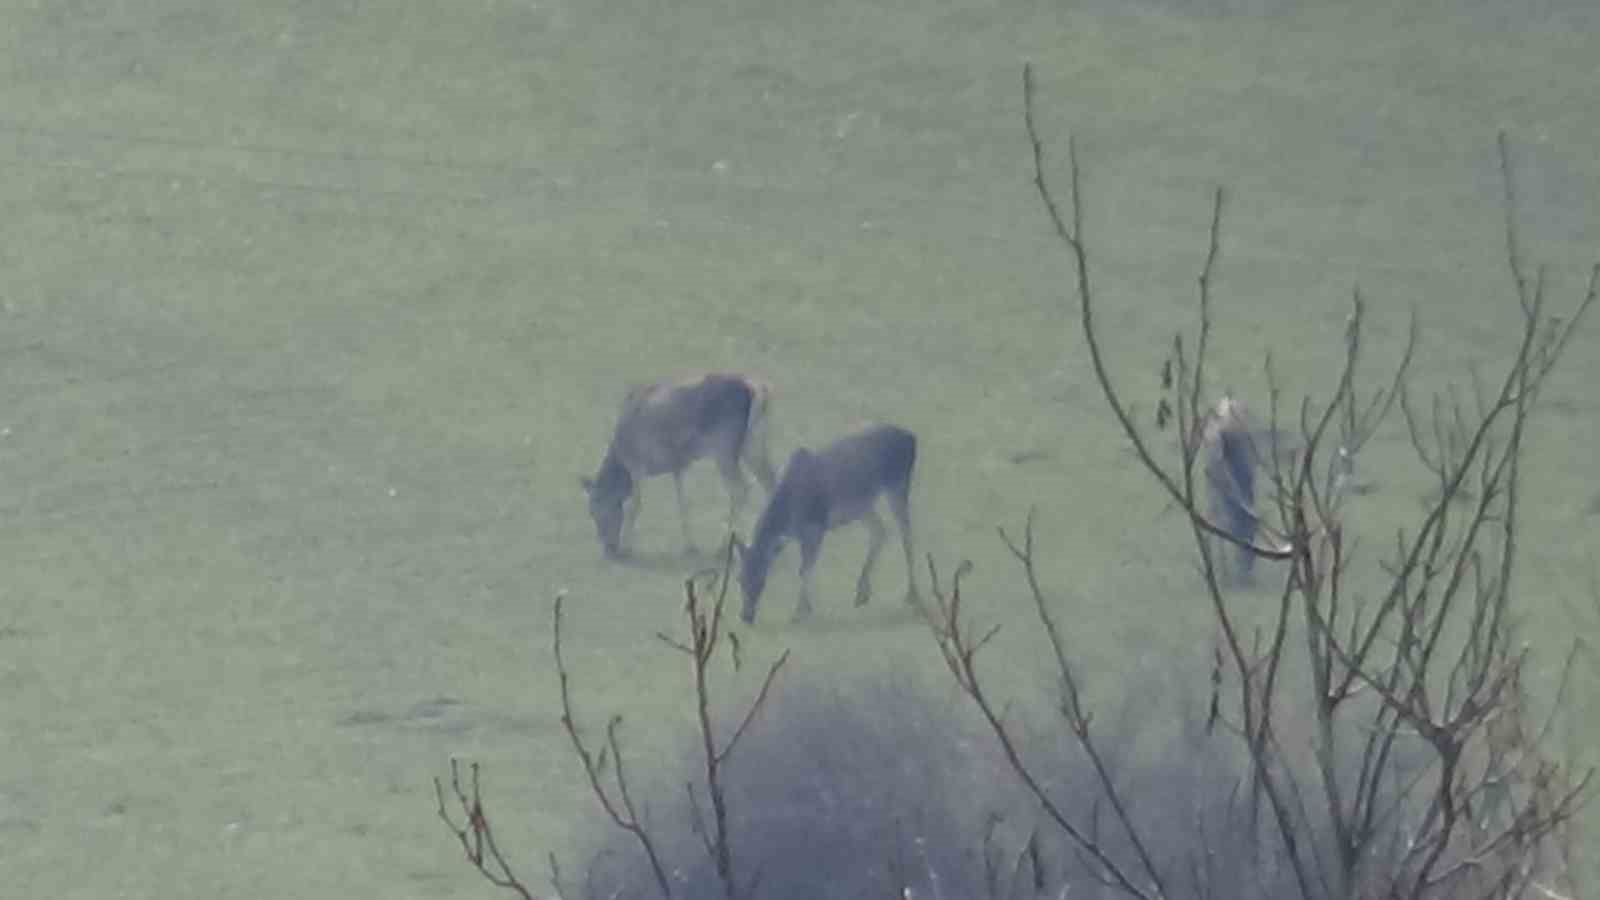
312,313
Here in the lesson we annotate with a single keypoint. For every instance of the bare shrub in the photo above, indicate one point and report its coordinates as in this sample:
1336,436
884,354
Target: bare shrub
1426,775
606,769
1350,746
883,787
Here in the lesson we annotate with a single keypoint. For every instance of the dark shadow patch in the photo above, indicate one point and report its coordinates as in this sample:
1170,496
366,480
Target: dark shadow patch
1463,495
364,717
885,790
1023,457
682,562
1563,406
421,711
431,709
17,823
448,716
495,722
1362,487
882,614
834,794
19,810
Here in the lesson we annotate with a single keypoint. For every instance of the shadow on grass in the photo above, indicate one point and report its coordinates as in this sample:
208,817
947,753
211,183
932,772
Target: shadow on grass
681,562
882,614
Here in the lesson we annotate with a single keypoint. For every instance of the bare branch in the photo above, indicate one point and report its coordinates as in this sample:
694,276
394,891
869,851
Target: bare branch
1077,718
960,651
1513,250
1431,653
623,815
756,705
1073,238
476,836
705,631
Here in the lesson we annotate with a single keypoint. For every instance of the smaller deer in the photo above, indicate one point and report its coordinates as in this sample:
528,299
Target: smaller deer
665,427
824,490
1233,452
1230,468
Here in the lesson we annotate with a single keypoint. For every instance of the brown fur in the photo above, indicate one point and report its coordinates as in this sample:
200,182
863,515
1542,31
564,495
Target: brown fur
665,427
827,489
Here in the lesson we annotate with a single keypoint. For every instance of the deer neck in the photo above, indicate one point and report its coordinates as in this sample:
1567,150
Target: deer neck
613,478
771,527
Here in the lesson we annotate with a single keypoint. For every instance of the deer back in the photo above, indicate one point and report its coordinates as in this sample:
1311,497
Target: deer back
857,468
667,425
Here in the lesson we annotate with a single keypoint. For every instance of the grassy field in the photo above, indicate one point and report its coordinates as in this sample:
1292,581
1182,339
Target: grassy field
311,313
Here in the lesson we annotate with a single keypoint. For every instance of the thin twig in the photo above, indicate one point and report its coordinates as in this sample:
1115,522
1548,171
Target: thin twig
1073,238
1077,719
960,653
622,814
476,836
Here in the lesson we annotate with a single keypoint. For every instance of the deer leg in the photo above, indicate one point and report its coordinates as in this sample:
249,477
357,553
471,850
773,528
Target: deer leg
683,514
810,550
900,505
1233,563
738,488
877,532
635,502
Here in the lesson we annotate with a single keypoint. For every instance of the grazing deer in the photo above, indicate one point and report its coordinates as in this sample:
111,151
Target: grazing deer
665,427
826,489
1230,467
1233,451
